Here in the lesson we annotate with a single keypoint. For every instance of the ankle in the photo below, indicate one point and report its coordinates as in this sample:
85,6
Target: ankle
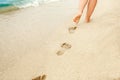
79,13
87,19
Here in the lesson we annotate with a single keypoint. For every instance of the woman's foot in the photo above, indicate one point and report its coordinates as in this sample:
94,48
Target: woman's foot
77,18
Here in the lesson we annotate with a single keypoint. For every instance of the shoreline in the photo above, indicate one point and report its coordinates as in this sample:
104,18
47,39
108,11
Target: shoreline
8,9
11,7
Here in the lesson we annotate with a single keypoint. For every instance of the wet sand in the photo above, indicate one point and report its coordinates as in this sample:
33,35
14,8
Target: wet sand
31,37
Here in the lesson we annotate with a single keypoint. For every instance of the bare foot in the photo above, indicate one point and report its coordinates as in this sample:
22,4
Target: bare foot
77,18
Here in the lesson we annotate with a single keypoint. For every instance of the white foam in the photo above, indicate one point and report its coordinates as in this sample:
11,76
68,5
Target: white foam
35,3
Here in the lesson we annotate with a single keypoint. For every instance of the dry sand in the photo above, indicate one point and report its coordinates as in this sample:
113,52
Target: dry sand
30,38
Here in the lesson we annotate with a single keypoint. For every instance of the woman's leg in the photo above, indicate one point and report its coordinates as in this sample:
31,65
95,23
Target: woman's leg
90,9
81,8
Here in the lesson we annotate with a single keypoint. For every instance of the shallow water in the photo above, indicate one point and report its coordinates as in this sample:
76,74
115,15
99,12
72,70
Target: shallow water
22,3
10,5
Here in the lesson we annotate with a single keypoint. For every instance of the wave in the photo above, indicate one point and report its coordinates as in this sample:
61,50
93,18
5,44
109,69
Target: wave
23,3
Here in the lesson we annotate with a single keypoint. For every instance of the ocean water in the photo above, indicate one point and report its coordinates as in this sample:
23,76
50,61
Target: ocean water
23,3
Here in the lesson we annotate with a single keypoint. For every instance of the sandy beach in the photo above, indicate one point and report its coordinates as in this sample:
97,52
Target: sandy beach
31,37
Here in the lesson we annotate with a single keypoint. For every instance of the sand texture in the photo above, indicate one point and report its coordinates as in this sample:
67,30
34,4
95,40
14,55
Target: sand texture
31,38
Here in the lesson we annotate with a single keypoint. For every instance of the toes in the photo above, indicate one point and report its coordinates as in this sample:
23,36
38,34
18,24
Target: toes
76,19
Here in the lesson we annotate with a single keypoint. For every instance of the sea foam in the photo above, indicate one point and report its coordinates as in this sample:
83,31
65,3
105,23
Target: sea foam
23,3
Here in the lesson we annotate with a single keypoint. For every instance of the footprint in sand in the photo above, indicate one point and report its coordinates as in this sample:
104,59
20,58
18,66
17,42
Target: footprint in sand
64,47
37,78
111,78
116,78
73,28
43,77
